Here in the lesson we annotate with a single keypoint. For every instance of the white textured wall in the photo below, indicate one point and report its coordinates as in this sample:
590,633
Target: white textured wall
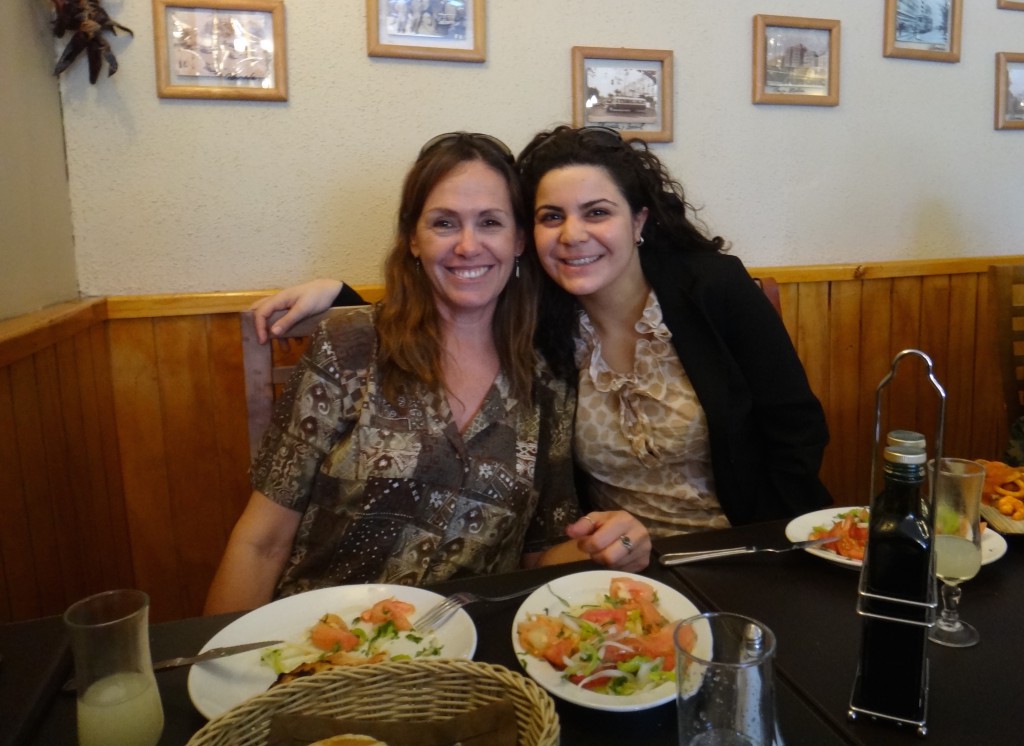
172,196
37,259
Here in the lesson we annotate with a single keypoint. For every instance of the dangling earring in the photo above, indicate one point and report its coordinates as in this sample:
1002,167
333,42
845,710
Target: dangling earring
640,242
419,265
517,268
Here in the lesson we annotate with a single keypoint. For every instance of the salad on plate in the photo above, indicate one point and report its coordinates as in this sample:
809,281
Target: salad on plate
382,632
602,639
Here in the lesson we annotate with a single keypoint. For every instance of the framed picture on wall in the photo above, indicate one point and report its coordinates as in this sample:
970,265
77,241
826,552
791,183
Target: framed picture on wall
1011,5
1010,90
226,49
796,61
624,89
426,29
923,29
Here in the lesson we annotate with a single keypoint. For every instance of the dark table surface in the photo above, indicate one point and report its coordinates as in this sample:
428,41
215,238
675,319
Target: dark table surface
811,604
808,602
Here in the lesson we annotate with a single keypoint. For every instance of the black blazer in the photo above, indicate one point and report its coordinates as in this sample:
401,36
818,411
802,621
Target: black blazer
766,427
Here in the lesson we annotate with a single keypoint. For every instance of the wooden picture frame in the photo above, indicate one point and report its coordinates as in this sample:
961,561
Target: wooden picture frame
923,29
406,29
629,90
796,61
1009,91
194,59
1010,4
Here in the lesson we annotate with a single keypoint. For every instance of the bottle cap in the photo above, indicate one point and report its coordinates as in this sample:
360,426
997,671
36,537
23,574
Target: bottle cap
905,438
905,455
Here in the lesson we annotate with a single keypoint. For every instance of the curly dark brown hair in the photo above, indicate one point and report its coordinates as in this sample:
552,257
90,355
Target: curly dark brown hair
644,181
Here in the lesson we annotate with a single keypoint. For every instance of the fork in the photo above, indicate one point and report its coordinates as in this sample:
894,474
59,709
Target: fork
436,616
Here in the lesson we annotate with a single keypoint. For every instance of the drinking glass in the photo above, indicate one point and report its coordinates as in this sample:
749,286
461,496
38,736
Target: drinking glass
725,694
958,491
118,699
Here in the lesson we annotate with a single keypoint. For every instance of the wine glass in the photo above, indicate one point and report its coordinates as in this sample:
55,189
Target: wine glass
957,543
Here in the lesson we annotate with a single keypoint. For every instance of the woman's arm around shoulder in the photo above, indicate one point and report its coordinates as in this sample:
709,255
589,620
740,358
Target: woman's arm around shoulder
300,302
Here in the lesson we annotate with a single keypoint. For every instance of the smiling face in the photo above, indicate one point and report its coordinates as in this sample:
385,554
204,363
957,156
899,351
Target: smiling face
585,231
466,239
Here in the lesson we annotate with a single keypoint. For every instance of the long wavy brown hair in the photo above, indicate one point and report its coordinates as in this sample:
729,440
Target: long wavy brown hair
408,322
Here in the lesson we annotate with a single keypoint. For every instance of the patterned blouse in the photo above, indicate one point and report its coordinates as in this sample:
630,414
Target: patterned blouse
642,436
392,492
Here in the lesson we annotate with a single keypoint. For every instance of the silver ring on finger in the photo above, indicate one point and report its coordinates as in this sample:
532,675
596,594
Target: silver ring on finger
590,520
626,542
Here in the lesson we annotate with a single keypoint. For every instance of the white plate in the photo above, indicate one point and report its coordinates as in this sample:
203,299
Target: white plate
218,685
583,588
993,545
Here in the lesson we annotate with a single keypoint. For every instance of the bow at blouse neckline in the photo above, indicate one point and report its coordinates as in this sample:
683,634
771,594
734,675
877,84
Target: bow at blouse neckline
645,382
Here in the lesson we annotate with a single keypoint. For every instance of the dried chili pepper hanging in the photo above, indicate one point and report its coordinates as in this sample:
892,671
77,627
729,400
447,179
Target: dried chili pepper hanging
87,20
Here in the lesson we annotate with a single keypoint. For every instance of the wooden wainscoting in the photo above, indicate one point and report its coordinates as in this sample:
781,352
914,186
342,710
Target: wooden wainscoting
184,449
181,418
848,323
124,453
63,525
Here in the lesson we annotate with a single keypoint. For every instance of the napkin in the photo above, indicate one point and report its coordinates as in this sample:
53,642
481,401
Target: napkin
493,724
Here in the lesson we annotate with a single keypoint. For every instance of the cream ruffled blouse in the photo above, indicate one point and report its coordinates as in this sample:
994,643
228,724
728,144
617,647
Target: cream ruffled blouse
642,436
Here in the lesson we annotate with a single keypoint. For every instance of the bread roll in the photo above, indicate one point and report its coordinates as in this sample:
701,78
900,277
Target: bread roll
349,739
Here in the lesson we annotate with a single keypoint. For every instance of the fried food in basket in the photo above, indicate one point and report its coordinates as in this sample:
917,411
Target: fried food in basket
1004,488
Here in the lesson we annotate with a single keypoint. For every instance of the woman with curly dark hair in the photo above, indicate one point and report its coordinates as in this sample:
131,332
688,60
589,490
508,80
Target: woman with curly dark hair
694,410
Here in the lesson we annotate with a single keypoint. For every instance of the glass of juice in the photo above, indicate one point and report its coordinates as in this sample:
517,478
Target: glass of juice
118,700
958,489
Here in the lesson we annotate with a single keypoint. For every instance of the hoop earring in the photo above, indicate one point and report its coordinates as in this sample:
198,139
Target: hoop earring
640,242
517,268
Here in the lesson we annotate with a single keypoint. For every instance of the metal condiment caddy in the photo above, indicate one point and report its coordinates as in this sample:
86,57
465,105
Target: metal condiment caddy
890,609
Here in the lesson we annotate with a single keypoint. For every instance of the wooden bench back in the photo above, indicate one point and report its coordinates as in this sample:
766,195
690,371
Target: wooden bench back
1007,295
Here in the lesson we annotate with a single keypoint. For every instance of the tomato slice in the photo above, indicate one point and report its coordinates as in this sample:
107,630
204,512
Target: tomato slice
605,617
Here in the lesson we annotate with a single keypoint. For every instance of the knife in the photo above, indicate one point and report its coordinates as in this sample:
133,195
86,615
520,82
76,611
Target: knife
682,558
212,653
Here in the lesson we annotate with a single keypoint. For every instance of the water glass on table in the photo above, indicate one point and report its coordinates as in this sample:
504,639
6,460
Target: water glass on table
957,543
118,699
725,691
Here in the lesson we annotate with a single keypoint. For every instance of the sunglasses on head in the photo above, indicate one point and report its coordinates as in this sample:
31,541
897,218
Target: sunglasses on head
593,135
479,138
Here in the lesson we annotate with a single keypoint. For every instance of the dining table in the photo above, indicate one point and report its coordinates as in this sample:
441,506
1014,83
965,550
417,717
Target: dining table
808,602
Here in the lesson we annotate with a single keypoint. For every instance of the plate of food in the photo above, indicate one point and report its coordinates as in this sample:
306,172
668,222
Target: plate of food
342,625
851,525
603,639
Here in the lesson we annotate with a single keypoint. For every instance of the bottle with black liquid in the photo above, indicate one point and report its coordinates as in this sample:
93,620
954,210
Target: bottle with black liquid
898,565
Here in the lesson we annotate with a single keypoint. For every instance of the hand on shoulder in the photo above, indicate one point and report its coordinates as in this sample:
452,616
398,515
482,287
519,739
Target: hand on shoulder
299,301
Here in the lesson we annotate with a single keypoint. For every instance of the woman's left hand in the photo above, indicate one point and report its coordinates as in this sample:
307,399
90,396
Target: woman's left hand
615,539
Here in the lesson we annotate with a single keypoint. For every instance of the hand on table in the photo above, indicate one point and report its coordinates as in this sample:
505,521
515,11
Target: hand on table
615,539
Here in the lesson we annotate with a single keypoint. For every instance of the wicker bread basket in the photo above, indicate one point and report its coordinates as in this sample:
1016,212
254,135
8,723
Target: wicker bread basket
419,691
